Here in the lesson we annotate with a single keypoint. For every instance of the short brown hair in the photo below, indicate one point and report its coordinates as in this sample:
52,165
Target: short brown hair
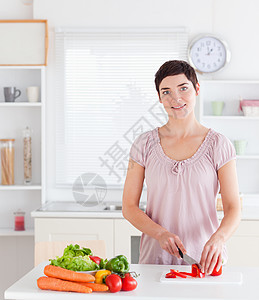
175,67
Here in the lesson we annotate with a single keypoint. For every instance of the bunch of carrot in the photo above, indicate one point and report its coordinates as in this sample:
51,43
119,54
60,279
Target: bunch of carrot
59,279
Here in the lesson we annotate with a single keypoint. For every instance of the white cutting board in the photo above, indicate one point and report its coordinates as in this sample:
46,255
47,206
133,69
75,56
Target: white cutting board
228,277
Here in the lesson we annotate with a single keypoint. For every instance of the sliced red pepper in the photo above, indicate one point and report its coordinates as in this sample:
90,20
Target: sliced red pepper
188,274
95,259
170,275
179,274
197,272
216,273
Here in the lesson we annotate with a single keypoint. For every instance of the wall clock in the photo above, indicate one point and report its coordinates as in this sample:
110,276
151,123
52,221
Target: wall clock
208,53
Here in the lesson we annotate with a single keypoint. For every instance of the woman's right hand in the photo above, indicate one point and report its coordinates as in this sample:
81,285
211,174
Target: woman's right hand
169,242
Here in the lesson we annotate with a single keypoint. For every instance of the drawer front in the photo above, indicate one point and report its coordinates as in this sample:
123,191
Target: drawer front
49,229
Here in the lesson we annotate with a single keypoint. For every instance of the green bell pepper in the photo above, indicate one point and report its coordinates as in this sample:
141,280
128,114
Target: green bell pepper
118,264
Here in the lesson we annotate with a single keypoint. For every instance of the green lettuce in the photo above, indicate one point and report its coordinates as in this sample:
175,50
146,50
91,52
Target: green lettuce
76,259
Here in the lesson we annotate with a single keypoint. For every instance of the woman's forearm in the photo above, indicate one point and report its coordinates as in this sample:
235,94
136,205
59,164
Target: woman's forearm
142,222
229,223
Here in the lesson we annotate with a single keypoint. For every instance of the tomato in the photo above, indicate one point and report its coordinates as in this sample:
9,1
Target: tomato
95,259
216,273
128,283
114,283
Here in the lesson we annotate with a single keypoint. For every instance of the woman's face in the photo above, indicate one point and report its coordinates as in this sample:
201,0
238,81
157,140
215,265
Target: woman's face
178,96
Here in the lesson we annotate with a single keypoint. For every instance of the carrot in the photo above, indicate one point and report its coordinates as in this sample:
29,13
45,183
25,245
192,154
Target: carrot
61,273
54,284
96,287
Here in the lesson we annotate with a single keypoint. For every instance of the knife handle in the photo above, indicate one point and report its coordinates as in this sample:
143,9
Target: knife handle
180,251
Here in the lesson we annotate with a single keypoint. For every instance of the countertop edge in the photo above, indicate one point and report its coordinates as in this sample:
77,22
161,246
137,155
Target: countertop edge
250,213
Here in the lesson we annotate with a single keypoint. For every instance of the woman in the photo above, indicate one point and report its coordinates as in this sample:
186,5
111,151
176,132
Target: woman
183,163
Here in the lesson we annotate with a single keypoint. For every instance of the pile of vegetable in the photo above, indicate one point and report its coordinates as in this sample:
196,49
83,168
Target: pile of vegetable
62,275
77,259
196,272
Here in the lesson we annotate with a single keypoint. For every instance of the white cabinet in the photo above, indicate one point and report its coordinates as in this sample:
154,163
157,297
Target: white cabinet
243,246
233,124
17,259
58,229
126,239
119,235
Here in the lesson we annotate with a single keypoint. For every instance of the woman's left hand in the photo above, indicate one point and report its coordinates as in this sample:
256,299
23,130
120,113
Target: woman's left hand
212,254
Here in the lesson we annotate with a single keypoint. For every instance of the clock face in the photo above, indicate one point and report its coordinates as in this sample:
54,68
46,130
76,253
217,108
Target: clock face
208,54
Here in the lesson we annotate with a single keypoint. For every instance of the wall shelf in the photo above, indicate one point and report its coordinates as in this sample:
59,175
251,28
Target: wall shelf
22,67
12,232
20,104
19,187
247,156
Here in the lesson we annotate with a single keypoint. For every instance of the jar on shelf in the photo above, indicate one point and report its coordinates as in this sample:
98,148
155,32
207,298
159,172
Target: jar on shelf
19,220
27,155
7,161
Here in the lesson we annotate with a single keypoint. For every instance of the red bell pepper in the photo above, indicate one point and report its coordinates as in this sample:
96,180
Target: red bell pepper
216,273
188,274
177,273
197,272
170,275
95,259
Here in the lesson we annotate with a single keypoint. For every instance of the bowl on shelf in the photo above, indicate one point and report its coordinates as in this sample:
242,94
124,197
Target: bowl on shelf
250,108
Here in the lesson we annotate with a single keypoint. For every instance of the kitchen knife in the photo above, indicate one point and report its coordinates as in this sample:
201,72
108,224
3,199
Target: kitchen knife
188,259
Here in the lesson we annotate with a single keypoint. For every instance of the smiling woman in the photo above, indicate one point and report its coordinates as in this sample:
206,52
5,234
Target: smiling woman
184,164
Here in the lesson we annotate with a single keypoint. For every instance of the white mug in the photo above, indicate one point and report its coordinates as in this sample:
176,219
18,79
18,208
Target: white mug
33,93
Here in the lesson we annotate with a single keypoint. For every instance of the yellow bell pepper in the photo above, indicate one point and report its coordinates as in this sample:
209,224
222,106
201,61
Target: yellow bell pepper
100,275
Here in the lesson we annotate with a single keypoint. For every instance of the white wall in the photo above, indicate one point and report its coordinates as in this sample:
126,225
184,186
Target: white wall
236,21
15,9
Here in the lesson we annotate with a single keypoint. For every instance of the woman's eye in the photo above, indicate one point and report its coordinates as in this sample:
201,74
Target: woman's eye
166,92
184,88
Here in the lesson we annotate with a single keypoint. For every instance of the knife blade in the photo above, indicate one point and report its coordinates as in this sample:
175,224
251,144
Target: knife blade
188,259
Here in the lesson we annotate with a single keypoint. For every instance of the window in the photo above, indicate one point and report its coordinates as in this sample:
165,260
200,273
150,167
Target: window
106,96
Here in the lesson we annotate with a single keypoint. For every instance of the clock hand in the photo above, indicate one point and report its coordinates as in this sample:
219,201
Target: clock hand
210,51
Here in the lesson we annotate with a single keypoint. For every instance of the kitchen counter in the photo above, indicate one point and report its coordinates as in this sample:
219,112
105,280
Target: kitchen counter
149,287
75,210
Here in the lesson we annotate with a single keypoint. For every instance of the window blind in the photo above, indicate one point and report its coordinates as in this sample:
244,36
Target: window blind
106,97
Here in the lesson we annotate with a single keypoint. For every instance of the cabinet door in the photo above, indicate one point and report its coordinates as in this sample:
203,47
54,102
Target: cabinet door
126,236
50,229
243,246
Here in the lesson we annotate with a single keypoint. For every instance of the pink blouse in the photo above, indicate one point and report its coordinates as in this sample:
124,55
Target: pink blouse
181,195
